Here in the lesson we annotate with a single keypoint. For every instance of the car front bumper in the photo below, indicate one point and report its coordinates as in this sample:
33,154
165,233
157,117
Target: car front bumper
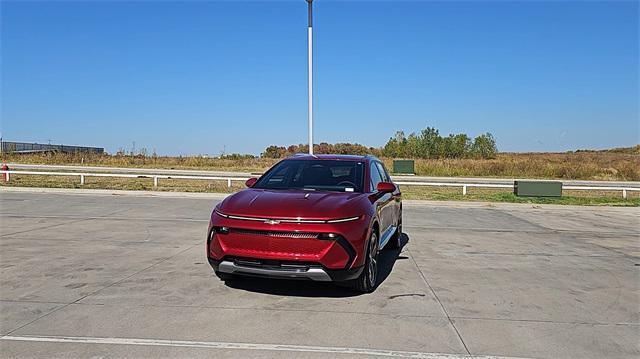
289,242
258,268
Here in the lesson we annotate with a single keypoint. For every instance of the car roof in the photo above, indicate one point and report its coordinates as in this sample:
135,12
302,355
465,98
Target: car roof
305,156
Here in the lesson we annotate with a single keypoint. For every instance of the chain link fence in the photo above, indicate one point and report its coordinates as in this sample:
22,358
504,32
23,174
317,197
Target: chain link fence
24,147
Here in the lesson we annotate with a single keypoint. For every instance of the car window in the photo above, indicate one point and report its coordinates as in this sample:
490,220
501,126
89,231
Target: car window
279,176
383,172
375,176
327,175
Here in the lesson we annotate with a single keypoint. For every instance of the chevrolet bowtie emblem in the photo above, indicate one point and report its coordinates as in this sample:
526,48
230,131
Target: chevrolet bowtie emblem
271,221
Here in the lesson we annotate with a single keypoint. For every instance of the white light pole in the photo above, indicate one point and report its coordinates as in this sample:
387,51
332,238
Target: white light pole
310,70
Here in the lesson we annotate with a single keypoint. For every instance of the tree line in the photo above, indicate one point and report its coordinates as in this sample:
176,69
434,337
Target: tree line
428,143
321,148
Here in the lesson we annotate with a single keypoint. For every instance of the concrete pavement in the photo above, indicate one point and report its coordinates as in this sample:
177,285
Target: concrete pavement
96,274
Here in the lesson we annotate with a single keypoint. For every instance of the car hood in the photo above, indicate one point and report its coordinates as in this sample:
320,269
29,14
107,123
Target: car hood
265,203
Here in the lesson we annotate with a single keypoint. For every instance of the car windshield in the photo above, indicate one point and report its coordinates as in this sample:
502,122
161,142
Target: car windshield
322,175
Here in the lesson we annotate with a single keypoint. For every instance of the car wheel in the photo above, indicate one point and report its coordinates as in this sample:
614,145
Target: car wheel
368,279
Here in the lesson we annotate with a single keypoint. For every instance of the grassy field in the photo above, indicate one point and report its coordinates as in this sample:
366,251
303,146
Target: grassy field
409,192
613,165
587,198
604,166
621,165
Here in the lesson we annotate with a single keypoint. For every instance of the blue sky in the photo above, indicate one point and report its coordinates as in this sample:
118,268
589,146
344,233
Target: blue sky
197,77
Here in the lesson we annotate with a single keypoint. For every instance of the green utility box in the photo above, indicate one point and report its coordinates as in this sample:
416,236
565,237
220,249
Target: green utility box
537,188
403,166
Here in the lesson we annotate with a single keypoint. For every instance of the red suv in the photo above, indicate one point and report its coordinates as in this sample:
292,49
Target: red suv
321,217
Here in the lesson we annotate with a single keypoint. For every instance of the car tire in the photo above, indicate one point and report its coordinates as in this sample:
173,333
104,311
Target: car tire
224,276
368,279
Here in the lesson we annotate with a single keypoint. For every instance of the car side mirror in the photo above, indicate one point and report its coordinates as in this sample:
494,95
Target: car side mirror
386,187
251,181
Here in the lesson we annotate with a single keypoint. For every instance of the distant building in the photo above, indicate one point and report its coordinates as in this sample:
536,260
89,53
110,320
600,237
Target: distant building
24,147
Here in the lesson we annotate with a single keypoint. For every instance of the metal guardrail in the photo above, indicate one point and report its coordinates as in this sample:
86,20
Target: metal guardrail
489,185
157,177
122,175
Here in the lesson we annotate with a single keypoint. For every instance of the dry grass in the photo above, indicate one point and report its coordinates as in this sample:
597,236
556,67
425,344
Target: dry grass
136,184
607,166
587,165
192,162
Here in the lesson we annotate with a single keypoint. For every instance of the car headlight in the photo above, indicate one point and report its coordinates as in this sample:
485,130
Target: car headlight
220,213
349,219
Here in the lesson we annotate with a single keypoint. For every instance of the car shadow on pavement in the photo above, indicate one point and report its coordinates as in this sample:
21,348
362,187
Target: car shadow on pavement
303,288
388,257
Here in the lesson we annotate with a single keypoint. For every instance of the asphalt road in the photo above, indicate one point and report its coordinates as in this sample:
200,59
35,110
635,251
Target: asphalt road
86,275
483,180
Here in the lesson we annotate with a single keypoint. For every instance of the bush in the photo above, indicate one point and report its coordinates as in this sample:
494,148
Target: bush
237,156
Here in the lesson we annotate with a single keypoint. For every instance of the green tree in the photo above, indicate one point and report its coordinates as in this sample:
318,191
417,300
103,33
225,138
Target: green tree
456,146
429,143
411,147
391,148
484,146
396,146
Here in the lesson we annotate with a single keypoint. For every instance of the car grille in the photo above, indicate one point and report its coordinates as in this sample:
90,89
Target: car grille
282,234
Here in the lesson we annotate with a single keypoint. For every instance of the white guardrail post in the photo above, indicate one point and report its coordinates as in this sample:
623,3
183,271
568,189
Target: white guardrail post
155,181
82,180
464,190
